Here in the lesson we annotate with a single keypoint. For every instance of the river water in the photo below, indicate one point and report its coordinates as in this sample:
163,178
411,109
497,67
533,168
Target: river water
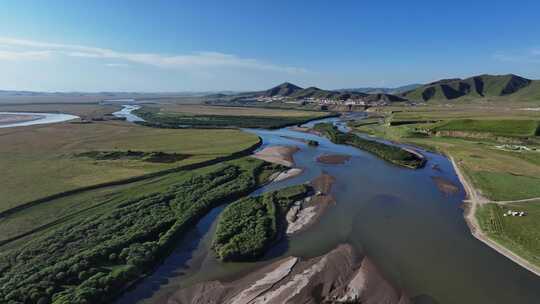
40,118
414,233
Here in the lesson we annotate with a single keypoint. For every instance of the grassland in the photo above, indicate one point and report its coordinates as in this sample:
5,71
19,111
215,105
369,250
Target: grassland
223,117
110,239
41,160
502,127
519,234
247,228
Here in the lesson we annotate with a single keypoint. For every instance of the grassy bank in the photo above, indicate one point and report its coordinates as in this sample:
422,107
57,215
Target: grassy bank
42,160
247,228
231,117
111,238
389,153
519,234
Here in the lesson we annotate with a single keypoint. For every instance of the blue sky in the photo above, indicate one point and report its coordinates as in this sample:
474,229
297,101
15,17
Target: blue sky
244,45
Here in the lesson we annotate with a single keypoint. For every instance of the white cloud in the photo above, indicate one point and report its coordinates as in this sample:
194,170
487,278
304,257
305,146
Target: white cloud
530,56
177,61
24,55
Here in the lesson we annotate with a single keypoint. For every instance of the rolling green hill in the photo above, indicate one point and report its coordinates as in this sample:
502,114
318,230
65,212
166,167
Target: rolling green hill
474,87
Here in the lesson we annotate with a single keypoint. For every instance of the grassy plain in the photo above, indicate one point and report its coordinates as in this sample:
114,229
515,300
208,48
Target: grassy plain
40,160
519,234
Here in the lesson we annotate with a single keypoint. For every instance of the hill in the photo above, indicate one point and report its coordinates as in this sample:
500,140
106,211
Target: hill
284,89
378,90
295,92
475,87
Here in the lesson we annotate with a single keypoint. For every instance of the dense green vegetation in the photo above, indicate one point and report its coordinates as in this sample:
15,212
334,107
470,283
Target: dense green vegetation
91,258
387,152
495,127
248,227
157,119
519,234
154,157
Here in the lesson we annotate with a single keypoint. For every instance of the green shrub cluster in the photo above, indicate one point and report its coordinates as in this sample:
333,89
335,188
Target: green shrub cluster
387,152
92,259
248,227
174,121
154,157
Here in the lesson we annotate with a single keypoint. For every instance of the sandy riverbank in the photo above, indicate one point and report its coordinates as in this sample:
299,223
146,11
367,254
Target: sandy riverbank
473,201
282,155
306,212
340,276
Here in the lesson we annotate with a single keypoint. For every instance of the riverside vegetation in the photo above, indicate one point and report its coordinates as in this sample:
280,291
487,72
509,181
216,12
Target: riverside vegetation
387,152
91,258
248,227
154,118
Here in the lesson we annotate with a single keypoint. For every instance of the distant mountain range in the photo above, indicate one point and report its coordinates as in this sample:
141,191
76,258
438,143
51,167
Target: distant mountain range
375,90
511,86
476,87
293,91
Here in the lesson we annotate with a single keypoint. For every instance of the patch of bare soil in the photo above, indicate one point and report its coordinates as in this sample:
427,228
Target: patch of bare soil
445,186
282,155
340,276
333,159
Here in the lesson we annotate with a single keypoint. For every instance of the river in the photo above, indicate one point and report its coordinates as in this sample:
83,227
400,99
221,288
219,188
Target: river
33,118
415,233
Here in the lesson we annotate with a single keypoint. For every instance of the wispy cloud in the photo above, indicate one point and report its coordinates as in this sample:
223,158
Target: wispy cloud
117,65
531,55
24,55
27,48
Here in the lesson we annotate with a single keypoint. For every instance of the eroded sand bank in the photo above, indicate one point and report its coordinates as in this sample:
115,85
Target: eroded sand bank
340,276
282,155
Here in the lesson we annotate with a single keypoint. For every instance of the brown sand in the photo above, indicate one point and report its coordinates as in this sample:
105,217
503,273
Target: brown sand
282,155
340,276
333,159
305,213
445,186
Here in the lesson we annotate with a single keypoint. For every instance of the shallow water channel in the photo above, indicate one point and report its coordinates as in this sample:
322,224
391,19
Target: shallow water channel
415,233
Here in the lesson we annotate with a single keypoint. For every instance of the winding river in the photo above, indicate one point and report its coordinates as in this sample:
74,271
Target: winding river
32,118
415,233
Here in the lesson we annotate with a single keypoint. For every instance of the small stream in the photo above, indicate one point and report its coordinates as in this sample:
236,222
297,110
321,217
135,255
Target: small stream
414,233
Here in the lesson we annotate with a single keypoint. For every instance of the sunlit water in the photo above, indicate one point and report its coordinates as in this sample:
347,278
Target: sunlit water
397,216
125,112
41,118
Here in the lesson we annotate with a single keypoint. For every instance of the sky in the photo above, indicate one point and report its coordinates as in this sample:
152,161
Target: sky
173,46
